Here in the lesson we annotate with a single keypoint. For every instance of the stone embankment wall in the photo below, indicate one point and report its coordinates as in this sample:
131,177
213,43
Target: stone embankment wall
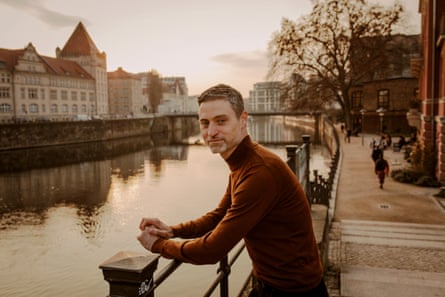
31,135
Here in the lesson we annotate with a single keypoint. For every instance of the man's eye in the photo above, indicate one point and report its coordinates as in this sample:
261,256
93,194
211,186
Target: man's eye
220,122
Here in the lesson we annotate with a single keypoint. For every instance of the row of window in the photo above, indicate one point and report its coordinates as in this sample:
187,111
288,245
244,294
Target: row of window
382,98
35,93
54,108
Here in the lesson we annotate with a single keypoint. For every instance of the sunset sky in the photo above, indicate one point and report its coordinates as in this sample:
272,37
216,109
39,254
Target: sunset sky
205,41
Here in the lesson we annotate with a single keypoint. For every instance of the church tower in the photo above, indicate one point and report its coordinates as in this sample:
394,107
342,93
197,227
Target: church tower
80,48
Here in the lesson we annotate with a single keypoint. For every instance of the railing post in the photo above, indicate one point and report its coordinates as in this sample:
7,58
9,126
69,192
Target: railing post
130,274
224,285
307,147
291,157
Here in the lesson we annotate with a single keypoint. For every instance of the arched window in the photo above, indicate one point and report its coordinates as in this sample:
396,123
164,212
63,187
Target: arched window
74,108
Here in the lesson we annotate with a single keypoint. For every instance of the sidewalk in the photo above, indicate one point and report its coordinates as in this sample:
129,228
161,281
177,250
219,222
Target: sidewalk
384,242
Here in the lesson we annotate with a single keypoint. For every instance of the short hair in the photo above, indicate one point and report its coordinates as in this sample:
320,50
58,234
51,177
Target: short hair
224,92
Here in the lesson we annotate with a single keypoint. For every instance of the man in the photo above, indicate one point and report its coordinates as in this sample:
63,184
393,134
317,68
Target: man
263,204
381,169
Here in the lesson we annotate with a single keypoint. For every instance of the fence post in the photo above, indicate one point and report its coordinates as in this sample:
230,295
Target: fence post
130,274
307,147
291,157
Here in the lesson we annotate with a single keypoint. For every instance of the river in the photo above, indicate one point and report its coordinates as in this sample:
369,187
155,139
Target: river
60,218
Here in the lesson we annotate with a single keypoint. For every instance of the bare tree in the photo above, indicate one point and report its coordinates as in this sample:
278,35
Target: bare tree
154,90
340,43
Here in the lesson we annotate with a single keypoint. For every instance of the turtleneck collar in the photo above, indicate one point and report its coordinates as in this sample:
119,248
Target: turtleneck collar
239,154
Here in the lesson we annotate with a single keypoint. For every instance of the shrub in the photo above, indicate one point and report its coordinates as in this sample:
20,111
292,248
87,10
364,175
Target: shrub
416,177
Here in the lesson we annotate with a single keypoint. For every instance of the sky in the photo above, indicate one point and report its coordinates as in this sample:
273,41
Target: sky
206,41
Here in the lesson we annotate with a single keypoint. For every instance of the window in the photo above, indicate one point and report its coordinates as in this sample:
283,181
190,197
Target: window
383,98
53,94
83,96
74,108
5,78
43,108
22,93
357,99
33,93
42,94
74,95
5,108
83,108
64,95
64,108
54,108
5,93
33,108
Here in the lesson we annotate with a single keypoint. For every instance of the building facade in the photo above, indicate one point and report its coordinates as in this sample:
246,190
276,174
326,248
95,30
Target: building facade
431,67
125,95
265,96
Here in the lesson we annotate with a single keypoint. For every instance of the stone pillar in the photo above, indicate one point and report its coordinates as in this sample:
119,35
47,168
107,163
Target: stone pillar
130,274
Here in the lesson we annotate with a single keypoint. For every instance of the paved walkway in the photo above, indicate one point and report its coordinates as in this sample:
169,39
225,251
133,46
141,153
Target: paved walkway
384,242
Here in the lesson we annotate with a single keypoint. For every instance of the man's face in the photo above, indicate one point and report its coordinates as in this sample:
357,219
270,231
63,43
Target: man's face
221,129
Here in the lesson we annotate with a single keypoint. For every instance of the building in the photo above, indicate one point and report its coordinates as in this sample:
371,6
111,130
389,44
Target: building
125,95
265,96
174,95
175,98
71,86
380,103
431,69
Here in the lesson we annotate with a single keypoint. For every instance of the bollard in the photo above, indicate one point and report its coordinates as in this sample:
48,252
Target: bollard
130,274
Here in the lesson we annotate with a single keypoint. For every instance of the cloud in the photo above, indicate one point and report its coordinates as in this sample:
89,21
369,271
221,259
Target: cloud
249,60
50,17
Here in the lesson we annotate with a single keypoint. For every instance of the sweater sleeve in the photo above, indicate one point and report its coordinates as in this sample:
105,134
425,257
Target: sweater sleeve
251,198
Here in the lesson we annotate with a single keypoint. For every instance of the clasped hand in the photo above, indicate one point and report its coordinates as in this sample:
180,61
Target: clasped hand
151,230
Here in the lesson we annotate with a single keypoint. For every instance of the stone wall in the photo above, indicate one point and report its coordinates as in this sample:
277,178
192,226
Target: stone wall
31,135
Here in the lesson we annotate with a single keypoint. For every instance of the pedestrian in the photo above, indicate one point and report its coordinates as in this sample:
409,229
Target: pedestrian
376,152
381,169
348,135
264,205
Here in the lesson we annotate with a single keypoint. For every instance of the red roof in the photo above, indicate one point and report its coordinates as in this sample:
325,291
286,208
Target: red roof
120,74
9,57
55,66
80,43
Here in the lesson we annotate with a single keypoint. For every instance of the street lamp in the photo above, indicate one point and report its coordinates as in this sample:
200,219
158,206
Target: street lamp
363,111
381,112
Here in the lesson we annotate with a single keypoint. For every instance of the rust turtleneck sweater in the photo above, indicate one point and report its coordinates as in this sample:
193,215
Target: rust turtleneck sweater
265,205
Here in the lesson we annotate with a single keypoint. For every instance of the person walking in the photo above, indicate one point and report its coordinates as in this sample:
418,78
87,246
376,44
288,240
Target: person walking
263,204
381,169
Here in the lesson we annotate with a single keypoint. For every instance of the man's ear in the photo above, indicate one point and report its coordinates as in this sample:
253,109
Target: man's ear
244,119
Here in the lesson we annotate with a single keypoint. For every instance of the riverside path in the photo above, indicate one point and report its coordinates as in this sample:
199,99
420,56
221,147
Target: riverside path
384,242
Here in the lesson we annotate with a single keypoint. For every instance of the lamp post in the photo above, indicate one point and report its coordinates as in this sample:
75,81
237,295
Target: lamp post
381,112
363,111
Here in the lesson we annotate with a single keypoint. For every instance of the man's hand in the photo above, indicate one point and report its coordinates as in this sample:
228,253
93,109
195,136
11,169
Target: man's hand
159,228
146,238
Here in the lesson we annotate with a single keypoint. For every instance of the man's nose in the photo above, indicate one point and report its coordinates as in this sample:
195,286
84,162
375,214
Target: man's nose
212,130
